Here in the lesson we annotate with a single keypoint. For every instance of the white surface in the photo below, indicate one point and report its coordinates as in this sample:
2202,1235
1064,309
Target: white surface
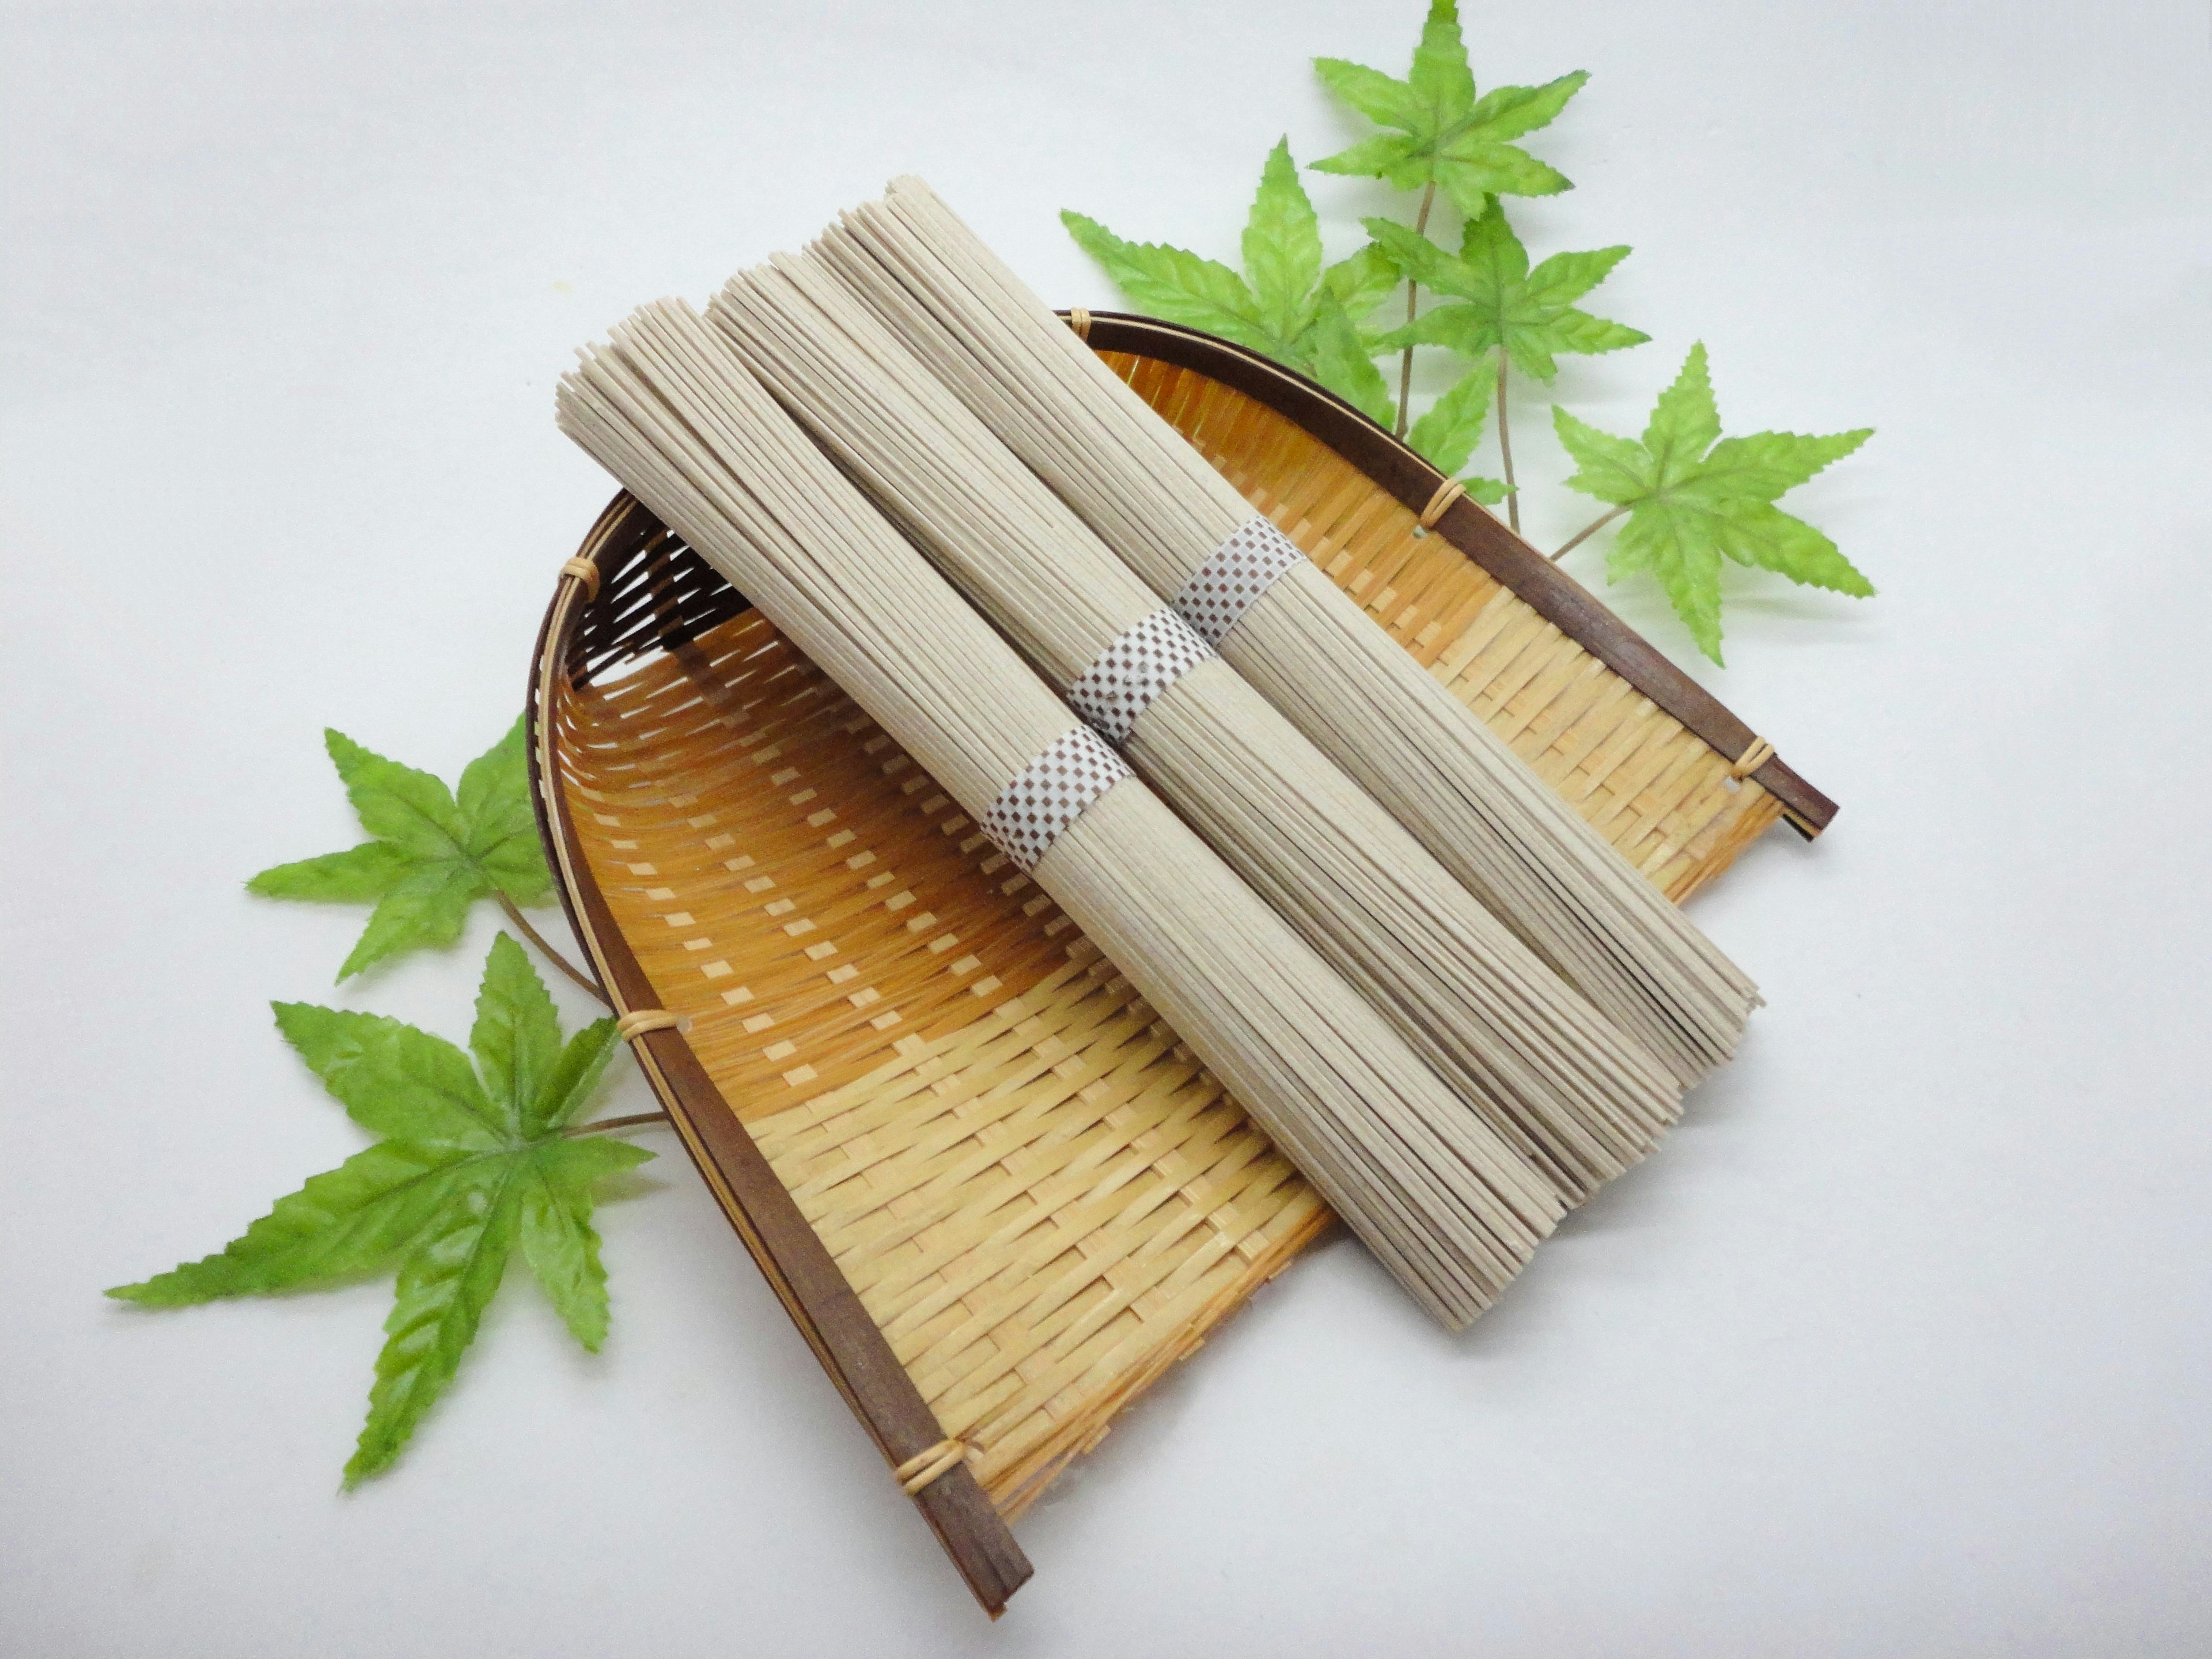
1900,1348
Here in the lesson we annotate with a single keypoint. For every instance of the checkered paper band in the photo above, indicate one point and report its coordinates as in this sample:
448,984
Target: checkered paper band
1132,671
1234,575
1050,793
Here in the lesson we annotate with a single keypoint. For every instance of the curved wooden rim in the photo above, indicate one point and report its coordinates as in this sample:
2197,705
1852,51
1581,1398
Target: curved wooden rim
1549,591
790,1253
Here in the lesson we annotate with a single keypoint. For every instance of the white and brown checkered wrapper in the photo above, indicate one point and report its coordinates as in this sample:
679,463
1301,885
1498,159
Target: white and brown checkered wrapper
1234,575
1050,793
1132,671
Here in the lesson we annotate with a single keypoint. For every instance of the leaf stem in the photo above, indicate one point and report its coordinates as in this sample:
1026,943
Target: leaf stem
1412,295
551,955
633,1121
1586,532
1505,453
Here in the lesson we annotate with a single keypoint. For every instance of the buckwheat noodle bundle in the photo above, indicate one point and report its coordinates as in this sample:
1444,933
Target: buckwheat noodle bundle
1561,1083
1307,647
1450,1209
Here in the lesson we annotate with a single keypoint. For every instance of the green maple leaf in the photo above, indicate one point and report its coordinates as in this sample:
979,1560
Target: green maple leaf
1448,434
1445,135
436,851
1693,497
1286,306
1342,363
471,1159
1497,303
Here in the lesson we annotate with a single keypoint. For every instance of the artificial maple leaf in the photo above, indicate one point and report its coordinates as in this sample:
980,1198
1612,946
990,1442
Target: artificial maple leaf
1285,306
471,1159
436,853
1445,135
1341,361
1497,302
1448,434
1692,496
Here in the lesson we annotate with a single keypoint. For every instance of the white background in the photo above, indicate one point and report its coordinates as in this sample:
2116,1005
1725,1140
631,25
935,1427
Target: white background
1900,1348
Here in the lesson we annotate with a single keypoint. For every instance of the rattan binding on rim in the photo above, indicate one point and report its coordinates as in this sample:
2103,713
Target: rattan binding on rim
587,573
1446,492
1753,758
924,1467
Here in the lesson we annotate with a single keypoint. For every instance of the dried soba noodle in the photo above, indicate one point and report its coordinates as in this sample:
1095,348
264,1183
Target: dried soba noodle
1449,1208
1362,700
1561,1083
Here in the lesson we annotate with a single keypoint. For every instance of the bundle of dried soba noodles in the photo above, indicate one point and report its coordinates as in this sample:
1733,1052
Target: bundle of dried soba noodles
1340,679
1562,1084
1450,1209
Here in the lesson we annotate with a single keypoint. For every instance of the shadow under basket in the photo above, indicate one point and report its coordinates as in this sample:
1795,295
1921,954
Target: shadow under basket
995,1191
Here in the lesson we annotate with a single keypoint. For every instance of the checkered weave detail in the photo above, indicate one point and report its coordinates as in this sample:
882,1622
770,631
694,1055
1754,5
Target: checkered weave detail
1050,793
1234,575
1129,673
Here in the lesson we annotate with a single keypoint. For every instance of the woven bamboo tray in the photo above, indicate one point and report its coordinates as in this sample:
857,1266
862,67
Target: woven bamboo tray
995,1192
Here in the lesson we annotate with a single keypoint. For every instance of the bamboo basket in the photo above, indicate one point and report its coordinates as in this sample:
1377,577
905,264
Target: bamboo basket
995,1192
